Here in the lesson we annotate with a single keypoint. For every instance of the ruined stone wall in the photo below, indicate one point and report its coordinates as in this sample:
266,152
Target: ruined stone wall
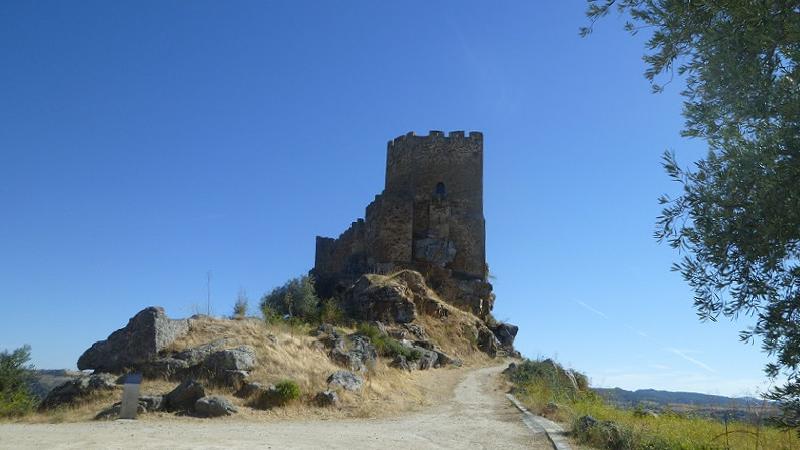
415,166
429,217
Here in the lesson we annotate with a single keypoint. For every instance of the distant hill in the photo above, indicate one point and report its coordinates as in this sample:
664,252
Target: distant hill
45,380
622,397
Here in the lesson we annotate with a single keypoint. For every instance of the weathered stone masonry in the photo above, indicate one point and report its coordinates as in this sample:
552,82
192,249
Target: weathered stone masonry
429,218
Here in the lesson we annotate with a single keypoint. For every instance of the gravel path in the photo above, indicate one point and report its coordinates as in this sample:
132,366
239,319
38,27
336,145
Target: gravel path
478,416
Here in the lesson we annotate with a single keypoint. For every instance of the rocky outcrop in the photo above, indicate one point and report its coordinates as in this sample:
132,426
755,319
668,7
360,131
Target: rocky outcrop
487,341
355,352
229,367
214,406
184,396
78,389
377,298
225,364
505,333
146,334
345,380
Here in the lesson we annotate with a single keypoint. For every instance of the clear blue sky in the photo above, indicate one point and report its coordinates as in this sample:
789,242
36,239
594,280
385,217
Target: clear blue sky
143,144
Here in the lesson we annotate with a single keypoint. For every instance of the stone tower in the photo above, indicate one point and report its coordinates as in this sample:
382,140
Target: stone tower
428,218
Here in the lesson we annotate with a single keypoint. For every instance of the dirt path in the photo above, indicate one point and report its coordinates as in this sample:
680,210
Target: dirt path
477,416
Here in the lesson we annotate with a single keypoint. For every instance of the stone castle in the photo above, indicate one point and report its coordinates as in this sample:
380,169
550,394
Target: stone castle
428,218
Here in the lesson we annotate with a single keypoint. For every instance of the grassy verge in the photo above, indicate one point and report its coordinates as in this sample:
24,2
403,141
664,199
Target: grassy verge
563,395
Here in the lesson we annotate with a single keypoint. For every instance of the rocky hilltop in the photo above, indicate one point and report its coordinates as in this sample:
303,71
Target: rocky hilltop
207,366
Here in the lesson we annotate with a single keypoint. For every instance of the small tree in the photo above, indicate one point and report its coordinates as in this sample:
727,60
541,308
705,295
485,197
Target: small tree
297,298
16,398
241,305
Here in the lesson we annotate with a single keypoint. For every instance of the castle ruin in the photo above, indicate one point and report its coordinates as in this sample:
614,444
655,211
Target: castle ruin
428,218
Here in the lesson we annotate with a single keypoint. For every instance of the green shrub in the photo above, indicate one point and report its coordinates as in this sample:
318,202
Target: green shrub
286,391
331,312
270,315
296,298
16,398
537,383
241,305
386,345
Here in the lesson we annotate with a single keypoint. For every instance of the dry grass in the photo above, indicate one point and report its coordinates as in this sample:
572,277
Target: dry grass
291,354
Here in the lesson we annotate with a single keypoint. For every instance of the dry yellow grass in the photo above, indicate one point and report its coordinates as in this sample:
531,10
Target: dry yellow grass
289,352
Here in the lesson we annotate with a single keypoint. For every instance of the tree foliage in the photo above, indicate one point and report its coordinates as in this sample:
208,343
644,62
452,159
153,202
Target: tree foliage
296,298
241,305
736,221
16,398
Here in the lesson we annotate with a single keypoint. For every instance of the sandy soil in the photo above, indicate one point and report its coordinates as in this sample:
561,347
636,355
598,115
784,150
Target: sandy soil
476,415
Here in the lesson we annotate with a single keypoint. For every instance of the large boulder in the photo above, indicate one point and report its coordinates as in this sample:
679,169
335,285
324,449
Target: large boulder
185,395
505,333
428,358
345,380
375,297
487,341
214,406
359,355
197,355
77,389
239,358
146,334
166,368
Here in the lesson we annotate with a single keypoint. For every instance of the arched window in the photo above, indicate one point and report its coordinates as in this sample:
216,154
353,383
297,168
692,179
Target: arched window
440,190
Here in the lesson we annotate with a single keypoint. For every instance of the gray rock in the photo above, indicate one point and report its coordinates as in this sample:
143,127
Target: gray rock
347,359
153,403
197,355
443,359
400,362
487,342
78,388
426,344
373,298
214,406
505,333
146,334
148,403
234,378
324,329
112,412
166,368
239,358
327,398
345,380
251,390
362,348
584,423
184,396
361,356
417,331
428,359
